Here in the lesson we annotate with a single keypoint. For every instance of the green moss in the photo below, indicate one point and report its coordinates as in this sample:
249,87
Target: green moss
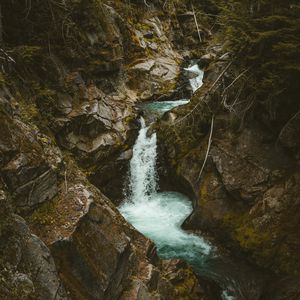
28,111
45,215
250,238
129,119
27,54
184,288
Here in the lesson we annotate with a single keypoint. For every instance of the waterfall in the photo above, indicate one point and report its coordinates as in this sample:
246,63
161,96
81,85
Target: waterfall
143,179
197,80
158,215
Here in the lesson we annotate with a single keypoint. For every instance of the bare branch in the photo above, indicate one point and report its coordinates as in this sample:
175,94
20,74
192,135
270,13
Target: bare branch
196,22
235,80
208,146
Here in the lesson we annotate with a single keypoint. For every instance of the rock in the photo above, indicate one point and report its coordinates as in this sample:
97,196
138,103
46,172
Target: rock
246,194
160,76
98,265
30,190
144,66
251,181
25,169
185,281
64,104
206,59
27,268
126,155
24,284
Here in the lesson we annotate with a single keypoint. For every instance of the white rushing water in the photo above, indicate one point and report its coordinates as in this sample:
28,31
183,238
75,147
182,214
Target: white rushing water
197,79
158,215
142,181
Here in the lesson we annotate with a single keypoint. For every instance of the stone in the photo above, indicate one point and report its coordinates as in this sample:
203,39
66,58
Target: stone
126,155
206,59
30,269
25,169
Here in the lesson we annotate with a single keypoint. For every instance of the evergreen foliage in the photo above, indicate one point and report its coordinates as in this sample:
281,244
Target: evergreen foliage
267,34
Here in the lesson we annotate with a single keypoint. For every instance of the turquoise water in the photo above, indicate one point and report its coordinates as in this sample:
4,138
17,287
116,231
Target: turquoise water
163,106
160,219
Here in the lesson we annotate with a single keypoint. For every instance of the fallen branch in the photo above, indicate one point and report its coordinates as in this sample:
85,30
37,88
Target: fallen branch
66,182
196,22
208,146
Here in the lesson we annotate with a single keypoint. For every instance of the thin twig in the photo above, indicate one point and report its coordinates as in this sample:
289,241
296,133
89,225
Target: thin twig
196,22
66,182
235,80
208,146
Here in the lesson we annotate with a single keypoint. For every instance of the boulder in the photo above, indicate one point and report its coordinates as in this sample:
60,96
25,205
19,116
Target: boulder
27,269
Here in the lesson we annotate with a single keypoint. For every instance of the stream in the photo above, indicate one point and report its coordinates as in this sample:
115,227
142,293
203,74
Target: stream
159,215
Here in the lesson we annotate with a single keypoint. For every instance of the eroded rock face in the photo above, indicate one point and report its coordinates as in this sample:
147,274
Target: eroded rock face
27,169
27,267
246,194
93,127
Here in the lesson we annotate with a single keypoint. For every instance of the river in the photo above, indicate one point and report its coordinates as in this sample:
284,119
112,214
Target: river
159,215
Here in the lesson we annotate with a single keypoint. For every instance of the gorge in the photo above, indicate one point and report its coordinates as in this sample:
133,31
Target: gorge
149,150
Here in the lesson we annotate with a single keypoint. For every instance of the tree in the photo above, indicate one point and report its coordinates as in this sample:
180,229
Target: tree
268,35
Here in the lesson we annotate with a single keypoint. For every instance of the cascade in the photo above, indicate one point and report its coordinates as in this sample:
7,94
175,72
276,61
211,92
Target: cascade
159,215
197,76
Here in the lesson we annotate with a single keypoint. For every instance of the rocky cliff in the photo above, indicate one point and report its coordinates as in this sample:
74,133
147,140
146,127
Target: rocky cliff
243,170
71,74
